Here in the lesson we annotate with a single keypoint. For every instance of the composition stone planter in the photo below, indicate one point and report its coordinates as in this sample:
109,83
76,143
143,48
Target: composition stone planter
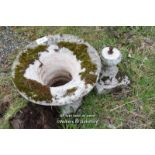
57,70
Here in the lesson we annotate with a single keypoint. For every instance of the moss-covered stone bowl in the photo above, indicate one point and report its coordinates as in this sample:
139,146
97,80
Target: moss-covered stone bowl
56,70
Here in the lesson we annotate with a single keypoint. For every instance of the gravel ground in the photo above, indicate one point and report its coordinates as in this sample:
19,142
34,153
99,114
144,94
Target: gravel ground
10,41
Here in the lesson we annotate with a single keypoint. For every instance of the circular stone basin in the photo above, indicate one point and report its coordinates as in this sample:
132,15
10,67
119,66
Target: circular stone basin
56,70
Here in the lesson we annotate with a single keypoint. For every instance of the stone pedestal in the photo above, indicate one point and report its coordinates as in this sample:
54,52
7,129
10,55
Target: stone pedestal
110,77
70,108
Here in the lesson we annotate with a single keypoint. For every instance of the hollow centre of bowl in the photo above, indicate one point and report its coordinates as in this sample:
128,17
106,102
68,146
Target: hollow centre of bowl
60,79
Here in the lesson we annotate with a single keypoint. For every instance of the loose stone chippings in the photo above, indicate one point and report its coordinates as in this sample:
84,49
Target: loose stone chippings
56,71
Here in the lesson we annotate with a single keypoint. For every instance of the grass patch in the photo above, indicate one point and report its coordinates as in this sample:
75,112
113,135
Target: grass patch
9,95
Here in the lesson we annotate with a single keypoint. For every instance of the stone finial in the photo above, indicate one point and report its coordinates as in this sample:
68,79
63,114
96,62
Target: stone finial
111,56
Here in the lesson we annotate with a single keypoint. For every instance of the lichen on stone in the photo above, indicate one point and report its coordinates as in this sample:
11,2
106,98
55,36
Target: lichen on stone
31,88
80,50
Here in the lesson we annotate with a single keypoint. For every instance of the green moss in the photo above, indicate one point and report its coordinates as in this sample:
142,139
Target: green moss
70,91
80,50
31,88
